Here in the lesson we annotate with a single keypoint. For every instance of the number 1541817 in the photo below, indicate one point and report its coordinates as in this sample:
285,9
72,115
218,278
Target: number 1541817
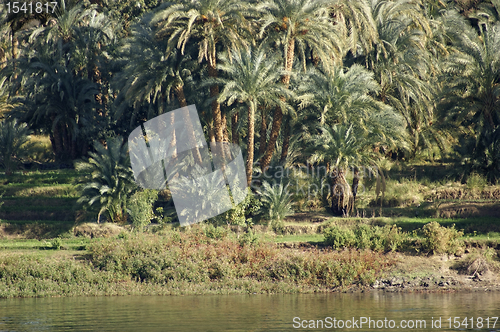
31,7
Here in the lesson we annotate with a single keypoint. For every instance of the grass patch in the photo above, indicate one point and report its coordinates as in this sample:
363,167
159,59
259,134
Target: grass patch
34,244
475,226
310,238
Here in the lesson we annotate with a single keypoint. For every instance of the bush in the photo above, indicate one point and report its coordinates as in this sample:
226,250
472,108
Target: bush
476,182
14,142
249,238
140,207
339,237
193,257
56,243
242,214
276,201
440,240
387,238
215,232
108,180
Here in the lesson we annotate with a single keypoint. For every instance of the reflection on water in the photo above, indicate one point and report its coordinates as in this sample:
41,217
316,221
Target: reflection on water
240,313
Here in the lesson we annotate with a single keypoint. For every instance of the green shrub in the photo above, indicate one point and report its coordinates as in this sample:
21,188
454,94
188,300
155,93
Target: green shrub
215,232
140,207
440,240
476,182
339,237
108,180
242,214
277,226
387,238
276,201
363,237
56,243
14,143
249,238
393,238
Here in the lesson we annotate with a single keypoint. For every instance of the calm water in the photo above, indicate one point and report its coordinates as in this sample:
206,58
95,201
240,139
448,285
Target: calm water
243,313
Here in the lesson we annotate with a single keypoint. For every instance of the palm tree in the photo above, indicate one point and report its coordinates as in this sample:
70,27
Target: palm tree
343,122
151,75
302,25
6,104
340,146
211,24
14,137
355,21
403,65
252,79
16,22
473,91
108,181
276,202
79,37
348,97
61,104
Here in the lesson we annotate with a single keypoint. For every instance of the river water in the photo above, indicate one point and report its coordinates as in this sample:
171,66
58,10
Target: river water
255,312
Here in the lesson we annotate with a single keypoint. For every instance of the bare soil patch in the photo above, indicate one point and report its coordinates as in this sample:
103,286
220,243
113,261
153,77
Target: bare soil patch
464,209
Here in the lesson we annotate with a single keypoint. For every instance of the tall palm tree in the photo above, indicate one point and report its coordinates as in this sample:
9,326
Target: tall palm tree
151,75
340,146
79,37
403,64
342,122
301,25
16,22
354,19
61,104
252,79
473,90
349,96
210,24
6,104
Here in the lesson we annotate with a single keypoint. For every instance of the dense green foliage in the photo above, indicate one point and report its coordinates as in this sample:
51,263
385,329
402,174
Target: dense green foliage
109,180
13,140
323,83
432,238
190,262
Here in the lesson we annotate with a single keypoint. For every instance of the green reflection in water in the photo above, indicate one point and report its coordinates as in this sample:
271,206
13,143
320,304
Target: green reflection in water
238,313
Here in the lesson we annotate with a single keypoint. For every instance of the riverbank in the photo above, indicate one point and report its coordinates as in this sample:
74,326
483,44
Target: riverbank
194,261
48,247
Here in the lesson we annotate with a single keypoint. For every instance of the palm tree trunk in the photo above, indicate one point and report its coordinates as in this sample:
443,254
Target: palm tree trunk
278,114
216,111
211,132
263,133
224,128
250,144
179,91
15,44
286,141
342,199
234,129
3,58
57,145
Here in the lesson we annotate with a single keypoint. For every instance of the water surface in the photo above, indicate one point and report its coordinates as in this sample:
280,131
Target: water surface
245,313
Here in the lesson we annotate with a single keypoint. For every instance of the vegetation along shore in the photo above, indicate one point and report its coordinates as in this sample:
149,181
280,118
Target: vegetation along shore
369,131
